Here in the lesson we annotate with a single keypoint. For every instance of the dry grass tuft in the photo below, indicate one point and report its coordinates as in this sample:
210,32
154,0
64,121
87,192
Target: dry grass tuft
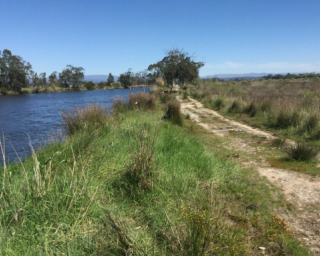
142,101
173,113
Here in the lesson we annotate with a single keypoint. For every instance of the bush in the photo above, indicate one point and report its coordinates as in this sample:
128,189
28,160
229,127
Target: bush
83,118
116,85
302,152
90,85
101,85
142,101
173,113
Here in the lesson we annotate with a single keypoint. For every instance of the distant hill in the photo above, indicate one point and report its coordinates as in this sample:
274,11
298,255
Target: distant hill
98,78
233,76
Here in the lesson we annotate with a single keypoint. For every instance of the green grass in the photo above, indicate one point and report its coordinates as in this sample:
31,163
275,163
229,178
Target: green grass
137,185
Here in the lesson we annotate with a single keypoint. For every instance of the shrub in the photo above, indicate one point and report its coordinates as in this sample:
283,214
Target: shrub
185,95
116,85
160,81
101,85
142,100
90,85
84,117
302,152
173,113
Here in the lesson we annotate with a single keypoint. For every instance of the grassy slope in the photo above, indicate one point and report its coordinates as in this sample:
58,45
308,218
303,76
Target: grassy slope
84,196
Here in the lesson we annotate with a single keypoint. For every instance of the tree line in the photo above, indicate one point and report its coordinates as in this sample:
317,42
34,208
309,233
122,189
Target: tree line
176,67
291,76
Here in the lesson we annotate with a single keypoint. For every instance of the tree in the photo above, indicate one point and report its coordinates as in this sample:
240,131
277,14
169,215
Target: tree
71,76
176,66
35,80
53,77
43,78
110,79
14,71
126,79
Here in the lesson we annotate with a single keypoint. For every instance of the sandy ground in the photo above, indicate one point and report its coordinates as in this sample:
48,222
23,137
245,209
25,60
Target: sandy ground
301,190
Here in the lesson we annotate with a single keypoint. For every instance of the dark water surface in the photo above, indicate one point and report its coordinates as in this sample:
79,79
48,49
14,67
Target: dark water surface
39,115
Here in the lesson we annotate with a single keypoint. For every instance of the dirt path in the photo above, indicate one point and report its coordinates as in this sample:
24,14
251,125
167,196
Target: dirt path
301,190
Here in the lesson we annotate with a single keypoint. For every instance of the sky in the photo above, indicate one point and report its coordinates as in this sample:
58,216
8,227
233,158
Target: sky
111,36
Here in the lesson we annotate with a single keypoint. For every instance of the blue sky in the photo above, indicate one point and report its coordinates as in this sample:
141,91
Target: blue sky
230,36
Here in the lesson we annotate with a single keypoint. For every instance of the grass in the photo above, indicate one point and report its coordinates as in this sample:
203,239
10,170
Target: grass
136,185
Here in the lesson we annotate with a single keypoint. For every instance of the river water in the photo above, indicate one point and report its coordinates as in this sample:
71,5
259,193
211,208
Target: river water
39,115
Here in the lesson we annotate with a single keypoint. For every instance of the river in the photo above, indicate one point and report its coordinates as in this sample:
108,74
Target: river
37,116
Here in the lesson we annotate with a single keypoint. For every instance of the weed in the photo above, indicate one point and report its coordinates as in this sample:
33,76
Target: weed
303,152
198,228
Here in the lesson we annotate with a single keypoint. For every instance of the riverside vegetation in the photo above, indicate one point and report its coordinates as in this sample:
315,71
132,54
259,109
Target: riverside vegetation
132,182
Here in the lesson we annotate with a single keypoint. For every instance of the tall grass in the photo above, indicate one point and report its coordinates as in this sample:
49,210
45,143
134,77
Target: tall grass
79,118
141,100
173,112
